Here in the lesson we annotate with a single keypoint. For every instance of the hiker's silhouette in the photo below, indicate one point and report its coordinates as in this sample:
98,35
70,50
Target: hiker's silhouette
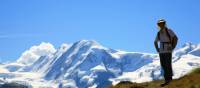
168,41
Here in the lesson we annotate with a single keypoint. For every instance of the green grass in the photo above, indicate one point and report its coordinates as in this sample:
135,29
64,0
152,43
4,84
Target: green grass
191,80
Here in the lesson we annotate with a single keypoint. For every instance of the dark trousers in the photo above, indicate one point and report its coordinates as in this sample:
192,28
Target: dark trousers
166,64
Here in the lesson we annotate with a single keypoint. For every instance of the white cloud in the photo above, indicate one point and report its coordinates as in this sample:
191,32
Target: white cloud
31,55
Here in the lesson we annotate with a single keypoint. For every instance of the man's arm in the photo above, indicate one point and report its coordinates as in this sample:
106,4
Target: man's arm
156,43
175,40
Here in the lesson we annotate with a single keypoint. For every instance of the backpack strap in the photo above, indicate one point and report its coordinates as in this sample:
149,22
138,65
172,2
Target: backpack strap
170,38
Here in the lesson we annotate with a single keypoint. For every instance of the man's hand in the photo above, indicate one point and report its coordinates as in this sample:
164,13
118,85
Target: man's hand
158,50
156,46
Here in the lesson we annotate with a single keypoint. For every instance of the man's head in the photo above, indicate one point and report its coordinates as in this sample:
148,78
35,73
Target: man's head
161,23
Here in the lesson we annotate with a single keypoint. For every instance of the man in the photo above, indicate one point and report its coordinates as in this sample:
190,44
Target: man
168,41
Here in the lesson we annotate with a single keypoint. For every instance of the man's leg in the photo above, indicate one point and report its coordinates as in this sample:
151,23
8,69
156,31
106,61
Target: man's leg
169,71
165,61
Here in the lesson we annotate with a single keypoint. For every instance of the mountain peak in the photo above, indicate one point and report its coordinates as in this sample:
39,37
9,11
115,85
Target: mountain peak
87,41
64,47
90,43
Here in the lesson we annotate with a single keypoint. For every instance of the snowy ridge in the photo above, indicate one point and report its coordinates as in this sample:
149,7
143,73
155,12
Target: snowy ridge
184,60
87,64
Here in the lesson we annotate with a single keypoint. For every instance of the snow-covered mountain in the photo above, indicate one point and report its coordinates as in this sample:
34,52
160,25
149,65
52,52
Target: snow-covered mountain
87,64
35,52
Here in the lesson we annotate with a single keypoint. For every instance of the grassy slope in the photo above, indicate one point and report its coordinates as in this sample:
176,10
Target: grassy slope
191,80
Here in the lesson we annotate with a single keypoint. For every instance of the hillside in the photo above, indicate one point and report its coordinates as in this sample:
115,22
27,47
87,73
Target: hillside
191,80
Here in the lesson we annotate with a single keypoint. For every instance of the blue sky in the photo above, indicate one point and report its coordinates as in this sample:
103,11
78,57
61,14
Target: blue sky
119,24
